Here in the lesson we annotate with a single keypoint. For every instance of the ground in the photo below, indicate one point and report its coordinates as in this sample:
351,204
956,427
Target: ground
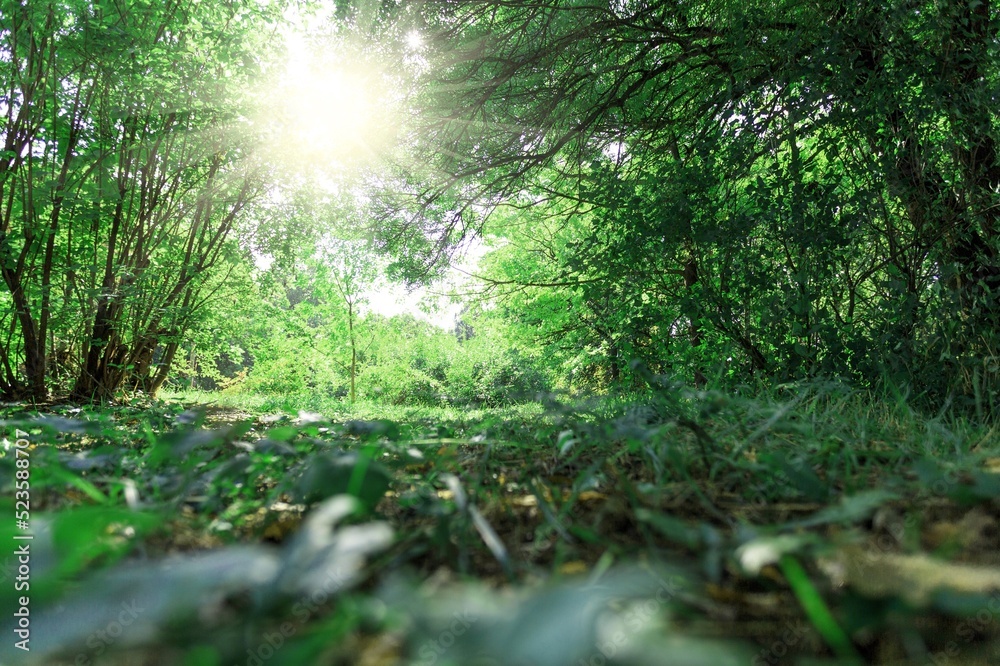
752,532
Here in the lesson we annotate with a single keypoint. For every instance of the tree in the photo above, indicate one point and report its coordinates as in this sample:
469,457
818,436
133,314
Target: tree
822,178
122,178
351,269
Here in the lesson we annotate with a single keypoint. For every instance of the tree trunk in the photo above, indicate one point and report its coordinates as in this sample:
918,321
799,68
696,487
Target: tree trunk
34,352
974,247
354,350
694,327
163,369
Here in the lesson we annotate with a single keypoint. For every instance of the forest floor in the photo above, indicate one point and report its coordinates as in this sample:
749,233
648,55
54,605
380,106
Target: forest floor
812,526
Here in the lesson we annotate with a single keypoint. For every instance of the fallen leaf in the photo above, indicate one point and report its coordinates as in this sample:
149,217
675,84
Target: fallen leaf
914,578
573,568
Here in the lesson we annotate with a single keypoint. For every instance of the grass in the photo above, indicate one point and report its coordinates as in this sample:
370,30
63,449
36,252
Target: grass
811,524
291,405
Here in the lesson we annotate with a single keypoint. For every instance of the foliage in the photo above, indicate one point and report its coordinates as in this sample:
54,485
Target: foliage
723,385
739,190
321,336
753,509
123,174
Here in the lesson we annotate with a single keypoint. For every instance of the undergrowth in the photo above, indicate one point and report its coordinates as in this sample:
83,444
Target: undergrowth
813,524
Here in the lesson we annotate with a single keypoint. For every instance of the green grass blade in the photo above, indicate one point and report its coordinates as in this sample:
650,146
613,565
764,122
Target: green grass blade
817,610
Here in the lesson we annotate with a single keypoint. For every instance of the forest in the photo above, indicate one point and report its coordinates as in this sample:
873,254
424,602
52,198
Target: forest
482,332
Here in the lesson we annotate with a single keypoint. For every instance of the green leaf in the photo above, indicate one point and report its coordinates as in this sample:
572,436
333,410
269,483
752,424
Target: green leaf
852,508
817,611
329,474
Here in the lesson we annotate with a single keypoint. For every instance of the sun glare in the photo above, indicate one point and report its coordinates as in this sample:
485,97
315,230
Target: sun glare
328,112
328,109
414,40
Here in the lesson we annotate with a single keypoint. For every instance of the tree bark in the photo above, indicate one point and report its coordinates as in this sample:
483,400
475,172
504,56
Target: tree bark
694,327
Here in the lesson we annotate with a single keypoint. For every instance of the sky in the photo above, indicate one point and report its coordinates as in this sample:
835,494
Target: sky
325,102
426,303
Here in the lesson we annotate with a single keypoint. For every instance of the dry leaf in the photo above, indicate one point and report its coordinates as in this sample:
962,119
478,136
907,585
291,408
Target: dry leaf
915,578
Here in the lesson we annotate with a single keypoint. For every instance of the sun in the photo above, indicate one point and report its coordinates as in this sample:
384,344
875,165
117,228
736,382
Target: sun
328,112
414,40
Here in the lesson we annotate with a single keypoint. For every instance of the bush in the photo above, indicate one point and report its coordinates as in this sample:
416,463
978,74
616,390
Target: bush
489,377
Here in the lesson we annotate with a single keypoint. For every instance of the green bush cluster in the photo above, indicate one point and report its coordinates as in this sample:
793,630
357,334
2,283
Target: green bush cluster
405,361
494,377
